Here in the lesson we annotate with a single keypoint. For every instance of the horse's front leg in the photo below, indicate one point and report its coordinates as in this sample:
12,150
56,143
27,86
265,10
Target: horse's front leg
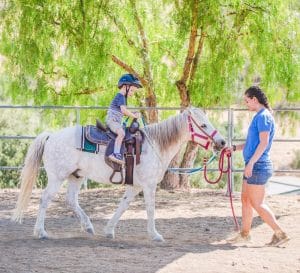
130,193
149,195
72,202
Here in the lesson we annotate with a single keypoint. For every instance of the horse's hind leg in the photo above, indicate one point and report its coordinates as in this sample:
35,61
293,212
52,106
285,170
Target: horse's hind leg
130,193
72,202
52,188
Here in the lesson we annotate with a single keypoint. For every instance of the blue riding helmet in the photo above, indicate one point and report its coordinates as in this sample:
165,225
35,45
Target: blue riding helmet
129,79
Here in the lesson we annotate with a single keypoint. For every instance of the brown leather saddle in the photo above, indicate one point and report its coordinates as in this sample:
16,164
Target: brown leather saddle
132,145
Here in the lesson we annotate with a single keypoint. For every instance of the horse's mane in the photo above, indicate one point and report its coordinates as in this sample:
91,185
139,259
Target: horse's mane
167,132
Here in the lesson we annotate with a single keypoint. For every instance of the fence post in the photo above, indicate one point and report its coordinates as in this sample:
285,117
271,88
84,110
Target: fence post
230,137
77,116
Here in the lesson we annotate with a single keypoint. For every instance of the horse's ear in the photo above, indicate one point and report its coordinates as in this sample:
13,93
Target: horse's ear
190,109
187,110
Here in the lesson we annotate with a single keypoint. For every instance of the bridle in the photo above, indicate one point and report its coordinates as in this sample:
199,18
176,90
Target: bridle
205,136
222,169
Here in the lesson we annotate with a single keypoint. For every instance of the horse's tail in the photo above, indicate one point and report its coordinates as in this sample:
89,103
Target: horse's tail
29,174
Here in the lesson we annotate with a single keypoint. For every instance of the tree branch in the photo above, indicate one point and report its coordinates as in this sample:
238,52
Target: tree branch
197,55
181,84
53,73
177,6
123,30
96,23
253,8
151,98
145,49
240,19
82,10
140,26
192,41
87,91
129,69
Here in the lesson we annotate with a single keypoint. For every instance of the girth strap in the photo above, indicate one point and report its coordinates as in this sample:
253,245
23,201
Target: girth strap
129,162
138,143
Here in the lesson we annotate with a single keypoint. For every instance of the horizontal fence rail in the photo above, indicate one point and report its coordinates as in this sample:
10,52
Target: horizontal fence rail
230,123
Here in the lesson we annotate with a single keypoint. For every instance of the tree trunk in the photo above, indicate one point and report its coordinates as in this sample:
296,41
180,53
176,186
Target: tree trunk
189,70
187,162
151,102
142,51
171,180
185,100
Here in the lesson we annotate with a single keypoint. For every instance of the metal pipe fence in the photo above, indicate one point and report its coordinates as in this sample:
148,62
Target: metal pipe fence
231,139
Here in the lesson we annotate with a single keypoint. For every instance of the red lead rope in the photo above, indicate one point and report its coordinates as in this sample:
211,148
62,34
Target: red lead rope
228,171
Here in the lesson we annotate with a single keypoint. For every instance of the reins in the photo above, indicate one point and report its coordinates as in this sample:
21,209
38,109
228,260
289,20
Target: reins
222,170
192,170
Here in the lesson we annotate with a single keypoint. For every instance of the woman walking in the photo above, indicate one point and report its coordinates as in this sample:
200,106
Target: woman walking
258,168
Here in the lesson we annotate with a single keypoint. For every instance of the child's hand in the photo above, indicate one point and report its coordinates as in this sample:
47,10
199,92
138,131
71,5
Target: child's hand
137,115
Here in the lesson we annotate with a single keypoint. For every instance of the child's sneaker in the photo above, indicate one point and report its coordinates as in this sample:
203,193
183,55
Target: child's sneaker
239,238
116,158
278,239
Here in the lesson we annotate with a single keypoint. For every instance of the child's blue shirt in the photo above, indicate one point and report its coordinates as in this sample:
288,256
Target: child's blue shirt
114,110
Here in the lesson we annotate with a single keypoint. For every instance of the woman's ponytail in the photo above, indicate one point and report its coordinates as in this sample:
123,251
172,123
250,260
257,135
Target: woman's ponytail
255,91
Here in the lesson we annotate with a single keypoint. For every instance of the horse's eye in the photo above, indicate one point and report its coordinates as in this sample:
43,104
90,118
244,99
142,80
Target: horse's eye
203,126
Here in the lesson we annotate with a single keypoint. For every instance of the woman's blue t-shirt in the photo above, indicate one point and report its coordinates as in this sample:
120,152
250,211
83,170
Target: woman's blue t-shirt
263,121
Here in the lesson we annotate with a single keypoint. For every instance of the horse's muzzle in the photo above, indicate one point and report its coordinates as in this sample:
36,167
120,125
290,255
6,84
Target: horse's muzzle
219,145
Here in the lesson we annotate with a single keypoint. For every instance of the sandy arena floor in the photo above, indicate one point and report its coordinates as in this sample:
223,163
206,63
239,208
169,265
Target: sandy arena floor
194,225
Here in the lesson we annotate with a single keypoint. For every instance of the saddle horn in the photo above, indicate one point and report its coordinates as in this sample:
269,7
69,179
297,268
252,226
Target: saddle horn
100,126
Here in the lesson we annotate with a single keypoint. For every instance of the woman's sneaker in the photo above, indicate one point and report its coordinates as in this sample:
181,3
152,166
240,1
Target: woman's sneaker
239,238
118,158
278,239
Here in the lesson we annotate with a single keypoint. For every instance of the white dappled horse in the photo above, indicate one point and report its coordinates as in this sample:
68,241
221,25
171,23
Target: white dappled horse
62,161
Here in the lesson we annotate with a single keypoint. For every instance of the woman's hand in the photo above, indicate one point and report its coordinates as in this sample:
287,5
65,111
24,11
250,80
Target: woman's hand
228,150
248,169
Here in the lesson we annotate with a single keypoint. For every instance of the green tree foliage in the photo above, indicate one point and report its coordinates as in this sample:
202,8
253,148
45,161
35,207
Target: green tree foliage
56,54
244,41
60,52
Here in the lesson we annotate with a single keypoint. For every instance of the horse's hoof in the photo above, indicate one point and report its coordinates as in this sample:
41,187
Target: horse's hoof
158,238
90,231
109,233
109,236
41,234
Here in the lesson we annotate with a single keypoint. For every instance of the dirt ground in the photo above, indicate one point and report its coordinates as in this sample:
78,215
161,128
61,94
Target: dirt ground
194,224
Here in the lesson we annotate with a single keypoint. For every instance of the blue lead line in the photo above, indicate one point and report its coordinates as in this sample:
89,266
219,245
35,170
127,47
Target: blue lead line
191,170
